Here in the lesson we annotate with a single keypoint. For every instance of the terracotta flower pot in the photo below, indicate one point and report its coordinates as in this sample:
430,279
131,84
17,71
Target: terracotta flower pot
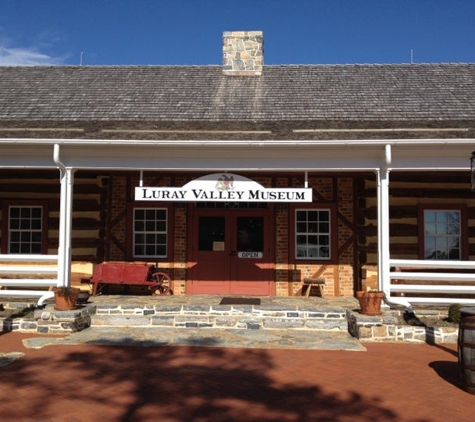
65,298
370,302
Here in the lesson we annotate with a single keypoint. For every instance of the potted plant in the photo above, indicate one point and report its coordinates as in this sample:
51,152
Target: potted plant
65,298
370,301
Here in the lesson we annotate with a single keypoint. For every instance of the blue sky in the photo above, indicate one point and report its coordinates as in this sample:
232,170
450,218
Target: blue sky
178,32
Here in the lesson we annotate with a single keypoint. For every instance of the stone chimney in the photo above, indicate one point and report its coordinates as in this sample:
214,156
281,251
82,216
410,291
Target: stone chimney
243,53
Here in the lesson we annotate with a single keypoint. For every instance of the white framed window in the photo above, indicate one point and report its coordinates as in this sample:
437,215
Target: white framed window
442,234
25,229
313,234
150,232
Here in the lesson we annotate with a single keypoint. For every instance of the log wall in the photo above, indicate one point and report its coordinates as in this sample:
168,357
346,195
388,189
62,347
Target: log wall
407,191
89,207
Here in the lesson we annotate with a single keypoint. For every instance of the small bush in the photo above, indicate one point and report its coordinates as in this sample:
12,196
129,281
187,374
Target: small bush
454,313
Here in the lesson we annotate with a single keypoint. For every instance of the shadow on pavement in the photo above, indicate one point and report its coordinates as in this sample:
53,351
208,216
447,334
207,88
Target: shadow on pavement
171,383
449,371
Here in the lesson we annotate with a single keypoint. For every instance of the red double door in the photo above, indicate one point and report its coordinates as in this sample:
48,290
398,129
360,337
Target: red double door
231,253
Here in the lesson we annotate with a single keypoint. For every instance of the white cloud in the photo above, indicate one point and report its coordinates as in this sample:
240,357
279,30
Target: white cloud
25,57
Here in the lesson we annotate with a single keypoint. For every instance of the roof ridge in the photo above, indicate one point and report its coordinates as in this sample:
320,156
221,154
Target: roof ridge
291,65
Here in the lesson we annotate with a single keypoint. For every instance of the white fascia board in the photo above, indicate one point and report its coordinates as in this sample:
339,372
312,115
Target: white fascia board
285,155
247,143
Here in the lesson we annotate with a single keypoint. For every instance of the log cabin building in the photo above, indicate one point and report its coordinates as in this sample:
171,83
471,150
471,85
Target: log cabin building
241,178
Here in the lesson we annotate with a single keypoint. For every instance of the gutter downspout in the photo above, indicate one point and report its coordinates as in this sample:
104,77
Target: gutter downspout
65,221
384,268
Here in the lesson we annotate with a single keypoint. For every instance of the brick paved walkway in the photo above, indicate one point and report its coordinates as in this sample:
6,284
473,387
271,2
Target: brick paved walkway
388,382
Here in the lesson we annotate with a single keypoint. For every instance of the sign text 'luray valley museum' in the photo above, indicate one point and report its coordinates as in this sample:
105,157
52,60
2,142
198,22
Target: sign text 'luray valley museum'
223,187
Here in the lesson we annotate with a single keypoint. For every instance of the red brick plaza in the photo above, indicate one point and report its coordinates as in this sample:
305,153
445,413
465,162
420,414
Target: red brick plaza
388,382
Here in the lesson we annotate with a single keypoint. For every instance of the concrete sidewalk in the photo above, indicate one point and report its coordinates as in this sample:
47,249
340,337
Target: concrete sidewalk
388,382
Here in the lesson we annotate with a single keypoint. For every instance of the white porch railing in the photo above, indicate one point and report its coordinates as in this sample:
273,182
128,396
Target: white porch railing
437,271
27,265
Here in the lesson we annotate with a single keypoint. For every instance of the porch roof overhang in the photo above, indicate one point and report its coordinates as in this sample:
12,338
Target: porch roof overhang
239,155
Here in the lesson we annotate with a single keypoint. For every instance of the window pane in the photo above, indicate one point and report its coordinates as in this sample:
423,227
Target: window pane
25,237
150,226
442,230
161,214
430,229
35,248
36,224
25,229
25,248
25,224
313,216
301,216
25,212
150,229
429,217
429,250
453,229
14,223
161,226
312,227
36,237
312,234
441,248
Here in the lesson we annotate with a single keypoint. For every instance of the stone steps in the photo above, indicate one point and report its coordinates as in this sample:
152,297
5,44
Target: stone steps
251,317
295,317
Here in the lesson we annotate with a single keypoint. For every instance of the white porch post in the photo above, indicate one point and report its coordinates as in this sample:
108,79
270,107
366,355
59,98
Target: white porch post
383,225
65,221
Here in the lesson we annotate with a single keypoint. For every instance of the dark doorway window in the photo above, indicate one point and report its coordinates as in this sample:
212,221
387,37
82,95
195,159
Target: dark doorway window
211,233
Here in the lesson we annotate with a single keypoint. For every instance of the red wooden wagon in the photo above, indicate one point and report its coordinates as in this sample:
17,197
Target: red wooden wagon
130,273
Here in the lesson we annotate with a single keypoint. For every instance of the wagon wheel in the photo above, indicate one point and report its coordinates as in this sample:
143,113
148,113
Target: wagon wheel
161,288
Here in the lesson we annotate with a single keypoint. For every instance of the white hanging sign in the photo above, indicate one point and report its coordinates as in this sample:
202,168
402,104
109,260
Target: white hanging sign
223,187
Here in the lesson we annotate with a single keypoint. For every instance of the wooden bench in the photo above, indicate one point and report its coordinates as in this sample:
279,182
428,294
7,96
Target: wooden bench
310,284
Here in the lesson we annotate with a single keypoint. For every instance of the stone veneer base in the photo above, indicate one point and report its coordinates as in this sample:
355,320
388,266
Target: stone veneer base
51,321
385,328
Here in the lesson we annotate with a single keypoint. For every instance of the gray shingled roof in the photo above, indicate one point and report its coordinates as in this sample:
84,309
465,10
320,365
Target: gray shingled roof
404,92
